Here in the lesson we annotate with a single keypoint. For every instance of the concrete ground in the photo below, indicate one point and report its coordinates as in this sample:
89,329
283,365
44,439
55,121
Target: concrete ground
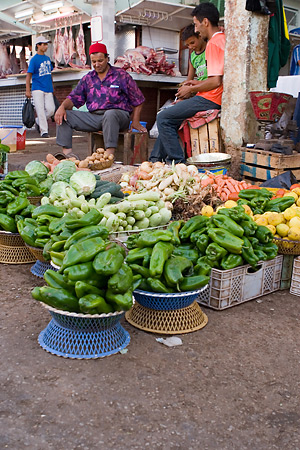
232,385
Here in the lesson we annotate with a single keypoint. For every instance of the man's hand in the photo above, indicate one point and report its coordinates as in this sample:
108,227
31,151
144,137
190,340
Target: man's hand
298,62
184,92
138,126
28,93
60,115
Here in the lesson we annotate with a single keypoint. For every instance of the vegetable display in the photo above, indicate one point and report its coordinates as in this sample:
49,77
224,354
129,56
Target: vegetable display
19,181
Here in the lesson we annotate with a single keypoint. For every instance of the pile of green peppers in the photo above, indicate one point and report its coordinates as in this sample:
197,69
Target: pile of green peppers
19,181
260,201
181,257
13,208
93,277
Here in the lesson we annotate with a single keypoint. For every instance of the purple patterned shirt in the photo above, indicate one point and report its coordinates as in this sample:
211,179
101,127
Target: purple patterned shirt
117,90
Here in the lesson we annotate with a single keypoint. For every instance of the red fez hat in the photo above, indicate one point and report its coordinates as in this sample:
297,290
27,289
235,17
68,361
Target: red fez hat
98,48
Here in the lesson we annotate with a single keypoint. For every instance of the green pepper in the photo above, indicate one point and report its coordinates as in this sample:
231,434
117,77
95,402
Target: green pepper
193,283
27,212
136,281
7,223
193,224
205,260
6,197
249,194
58,246
139,254
249,227
262,256
226,240
83,251
56,280
16,174
30,190
279,204
214,252
231,261
56,258
57,298
121,281
108,261
237,213
64,234
242,201
248,253
27,232
149,238
221,221
155,285
42,232
57,224
202,241
161,252
81,271
40,242
94,304
141,270
17,205
187,251
46,250
202,268
7,187
82,288
263,234
44,219
174,227
19,182
93,217
174,270
270,249
258,204
86,233
49,210
120,302
2,210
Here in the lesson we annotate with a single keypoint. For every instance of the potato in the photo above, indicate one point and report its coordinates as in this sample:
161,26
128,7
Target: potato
110,157
102,159
76,161
105,154
72,159
100,150
95,155
83,164
97,161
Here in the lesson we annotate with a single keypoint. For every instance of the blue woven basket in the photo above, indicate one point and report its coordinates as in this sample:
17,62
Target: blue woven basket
39,268
166,302
83,336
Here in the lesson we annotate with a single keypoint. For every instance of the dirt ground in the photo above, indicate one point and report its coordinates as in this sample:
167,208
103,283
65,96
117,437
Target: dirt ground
232,385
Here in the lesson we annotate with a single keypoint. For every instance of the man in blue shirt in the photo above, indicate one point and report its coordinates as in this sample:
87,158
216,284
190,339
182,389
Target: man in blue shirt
39,71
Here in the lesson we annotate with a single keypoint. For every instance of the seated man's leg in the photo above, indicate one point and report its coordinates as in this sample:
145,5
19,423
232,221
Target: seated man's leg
168,122
79,121
114,120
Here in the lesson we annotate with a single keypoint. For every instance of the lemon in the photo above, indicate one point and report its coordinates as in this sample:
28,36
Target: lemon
287,244
230,204
262,221
291,194
294,222
267,213
256,216
275,219
289,213
282,229
294,234
248,210
298,202
272,228
207,210
297,191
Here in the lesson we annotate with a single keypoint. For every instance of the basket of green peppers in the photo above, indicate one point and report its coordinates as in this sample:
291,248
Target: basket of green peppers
93,277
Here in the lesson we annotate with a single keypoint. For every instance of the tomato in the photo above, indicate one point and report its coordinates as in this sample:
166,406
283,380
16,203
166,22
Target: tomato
280,193
294,186
253,187
233,196
273,198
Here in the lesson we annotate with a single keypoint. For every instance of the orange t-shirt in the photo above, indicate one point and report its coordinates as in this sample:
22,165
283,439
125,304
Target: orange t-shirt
215,65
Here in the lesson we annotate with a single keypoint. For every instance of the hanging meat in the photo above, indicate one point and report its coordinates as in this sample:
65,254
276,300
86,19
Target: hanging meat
146,60
23,63
4,62
66,45
13,61
71,44
80,45
58,46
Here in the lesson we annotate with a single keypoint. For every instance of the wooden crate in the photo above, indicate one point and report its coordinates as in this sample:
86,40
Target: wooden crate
260,165
206,139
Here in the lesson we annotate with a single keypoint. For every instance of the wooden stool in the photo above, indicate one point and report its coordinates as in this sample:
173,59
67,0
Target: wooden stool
132,147
207,138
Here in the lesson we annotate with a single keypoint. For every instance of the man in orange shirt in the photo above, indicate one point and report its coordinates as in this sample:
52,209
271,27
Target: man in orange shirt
208,92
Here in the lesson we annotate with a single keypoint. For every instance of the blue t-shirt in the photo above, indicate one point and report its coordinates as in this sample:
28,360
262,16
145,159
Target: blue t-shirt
40,66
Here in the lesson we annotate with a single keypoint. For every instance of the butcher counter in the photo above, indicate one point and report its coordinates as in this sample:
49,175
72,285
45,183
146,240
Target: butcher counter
157,88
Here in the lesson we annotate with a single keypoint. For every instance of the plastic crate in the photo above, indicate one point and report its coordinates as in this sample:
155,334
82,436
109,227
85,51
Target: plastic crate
235,286
295,282
287,270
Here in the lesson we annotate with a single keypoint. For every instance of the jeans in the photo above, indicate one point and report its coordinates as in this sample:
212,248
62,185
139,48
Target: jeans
44,106
167,146
110,121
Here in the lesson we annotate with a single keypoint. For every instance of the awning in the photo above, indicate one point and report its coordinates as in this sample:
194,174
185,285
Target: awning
169,16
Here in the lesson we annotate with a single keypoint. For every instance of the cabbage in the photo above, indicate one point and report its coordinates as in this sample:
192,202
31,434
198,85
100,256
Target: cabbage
83,182
46,184
58,191
37,169
64,170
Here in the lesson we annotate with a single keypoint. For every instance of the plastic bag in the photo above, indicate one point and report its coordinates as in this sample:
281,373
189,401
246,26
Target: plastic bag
28,114
285,180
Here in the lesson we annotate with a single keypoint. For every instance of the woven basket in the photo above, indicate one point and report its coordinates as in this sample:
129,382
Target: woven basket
8,239
178,321
37,253
115,173
15,255
166,302
35,200
286,247
102,165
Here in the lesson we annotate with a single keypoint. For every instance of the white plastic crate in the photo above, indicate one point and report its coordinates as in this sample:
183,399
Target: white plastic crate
295,283
235,286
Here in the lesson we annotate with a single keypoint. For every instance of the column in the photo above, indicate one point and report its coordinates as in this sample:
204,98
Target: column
106,11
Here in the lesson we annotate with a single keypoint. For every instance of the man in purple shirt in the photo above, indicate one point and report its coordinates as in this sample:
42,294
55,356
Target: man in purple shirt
110,95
